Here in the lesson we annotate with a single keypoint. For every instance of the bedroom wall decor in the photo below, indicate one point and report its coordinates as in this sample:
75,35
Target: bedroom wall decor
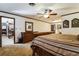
28,26
75,22
59,26
65,24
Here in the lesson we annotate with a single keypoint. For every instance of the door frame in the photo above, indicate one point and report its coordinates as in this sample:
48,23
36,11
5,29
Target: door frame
1,28
0,32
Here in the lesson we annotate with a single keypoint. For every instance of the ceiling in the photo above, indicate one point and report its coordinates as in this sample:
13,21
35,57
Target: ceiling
26,10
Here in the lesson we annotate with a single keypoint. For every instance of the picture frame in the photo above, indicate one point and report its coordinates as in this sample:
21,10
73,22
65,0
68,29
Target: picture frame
28,26
59,26
75,22
65,24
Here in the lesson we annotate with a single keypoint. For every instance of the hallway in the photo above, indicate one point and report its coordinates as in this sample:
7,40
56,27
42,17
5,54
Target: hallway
7,41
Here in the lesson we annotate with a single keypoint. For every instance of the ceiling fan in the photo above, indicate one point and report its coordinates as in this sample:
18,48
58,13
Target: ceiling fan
47,13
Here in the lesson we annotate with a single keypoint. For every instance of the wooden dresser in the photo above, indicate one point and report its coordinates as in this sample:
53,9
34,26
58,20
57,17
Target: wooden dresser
29,35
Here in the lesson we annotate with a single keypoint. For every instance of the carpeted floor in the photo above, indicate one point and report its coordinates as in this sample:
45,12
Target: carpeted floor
16,50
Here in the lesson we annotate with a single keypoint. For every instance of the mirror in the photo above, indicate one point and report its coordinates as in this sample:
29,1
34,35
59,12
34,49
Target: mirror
8,32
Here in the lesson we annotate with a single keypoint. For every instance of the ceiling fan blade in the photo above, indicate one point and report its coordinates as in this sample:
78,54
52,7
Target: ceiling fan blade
39,14
53,14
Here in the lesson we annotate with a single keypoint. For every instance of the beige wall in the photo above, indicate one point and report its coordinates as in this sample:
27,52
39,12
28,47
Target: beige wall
20,24
56,23
40,26
70,30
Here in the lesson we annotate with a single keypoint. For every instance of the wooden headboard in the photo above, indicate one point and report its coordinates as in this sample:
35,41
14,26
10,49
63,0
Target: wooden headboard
42,33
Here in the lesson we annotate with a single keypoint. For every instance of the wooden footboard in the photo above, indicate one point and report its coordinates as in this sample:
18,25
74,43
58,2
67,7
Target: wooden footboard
37,51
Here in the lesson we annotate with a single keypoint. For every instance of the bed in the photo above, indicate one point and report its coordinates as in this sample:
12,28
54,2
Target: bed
56,45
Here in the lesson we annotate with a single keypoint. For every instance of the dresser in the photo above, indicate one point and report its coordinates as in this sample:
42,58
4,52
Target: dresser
29,35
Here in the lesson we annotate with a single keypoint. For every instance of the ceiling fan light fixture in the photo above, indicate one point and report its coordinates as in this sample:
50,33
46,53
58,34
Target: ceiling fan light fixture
32,4
46,16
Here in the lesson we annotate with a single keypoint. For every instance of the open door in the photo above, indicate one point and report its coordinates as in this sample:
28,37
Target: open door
53,28
7,31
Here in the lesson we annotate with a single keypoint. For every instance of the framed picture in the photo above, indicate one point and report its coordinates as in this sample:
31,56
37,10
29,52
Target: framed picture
28,26
75,22
59,26
65,24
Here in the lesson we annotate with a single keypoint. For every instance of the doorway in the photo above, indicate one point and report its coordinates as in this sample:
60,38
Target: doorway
53,28
7,31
